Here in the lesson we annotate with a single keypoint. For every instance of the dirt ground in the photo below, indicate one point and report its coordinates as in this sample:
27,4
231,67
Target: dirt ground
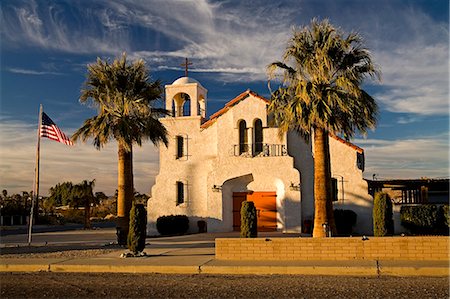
108,285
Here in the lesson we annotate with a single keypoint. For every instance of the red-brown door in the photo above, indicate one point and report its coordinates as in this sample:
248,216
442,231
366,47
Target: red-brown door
266,209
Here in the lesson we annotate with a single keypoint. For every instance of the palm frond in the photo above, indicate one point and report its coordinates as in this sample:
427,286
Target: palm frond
123,95
322,72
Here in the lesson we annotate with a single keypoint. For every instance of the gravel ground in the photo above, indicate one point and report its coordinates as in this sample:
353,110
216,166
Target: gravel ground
113,285
55,251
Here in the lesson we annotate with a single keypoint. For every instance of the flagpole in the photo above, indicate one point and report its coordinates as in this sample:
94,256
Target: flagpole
35,201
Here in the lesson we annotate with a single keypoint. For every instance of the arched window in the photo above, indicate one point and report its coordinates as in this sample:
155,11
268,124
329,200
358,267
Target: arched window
258,136
243,146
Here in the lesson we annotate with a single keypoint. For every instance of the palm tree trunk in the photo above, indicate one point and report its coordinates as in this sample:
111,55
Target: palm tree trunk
323,206
124,193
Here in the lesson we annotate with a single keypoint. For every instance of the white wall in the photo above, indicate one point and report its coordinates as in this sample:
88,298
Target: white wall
211,161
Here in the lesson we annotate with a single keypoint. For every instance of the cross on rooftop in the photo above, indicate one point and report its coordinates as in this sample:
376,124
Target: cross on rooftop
186,64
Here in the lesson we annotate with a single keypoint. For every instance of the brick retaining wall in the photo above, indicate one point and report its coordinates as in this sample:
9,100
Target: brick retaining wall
375,248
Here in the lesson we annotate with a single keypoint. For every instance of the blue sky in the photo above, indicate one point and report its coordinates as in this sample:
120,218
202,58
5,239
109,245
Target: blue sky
46,46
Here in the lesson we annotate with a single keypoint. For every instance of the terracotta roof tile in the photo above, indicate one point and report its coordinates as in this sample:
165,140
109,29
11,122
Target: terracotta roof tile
212,119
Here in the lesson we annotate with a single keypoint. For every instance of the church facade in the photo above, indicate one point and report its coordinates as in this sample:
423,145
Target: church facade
211,166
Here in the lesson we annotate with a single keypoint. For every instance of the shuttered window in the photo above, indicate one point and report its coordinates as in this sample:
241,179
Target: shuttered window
334,189
180,147
180,193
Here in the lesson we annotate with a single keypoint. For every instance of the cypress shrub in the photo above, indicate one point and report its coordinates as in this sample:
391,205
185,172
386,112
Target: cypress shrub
249,221
345,220
383,222
172,225
425,219
138,227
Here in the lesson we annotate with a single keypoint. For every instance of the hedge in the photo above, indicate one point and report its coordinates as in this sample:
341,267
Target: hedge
345,220
425,219
172,225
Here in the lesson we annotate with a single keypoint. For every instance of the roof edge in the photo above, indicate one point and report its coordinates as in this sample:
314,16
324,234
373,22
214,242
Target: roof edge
212,119
349,144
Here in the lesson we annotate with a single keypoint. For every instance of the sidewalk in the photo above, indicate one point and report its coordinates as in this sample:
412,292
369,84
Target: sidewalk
194,254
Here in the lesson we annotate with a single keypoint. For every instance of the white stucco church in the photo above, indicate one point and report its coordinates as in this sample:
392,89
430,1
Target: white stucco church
212,165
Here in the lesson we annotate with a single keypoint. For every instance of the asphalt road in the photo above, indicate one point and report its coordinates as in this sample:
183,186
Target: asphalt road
113,285
23,229
64,235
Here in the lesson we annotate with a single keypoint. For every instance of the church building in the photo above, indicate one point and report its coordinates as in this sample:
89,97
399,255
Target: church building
211,165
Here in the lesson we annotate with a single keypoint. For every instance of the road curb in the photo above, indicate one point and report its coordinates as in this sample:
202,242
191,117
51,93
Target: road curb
295,270
414,271
124,269
68,266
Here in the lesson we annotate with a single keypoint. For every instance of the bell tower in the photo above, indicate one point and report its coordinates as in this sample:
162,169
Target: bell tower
186,97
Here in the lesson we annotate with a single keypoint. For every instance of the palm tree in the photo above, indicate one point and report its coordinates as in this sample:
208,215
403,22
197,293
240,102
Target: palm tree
320,94
123,95
82,194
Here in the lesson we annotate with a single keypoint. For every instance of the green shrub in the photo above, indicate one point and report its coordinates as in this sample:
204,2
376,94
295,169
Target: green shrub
383,222
446,215
345,220
73,215
172,225
51,220
106,207
138,228
425,219
249,221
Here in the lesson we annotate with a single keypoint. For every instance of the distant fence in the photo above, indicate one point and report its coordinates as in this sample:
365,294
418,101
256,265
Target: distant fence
352,248
13,220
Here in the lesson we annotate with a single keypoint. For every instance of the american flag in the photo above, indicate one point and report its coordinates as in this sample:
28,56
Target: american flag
50,130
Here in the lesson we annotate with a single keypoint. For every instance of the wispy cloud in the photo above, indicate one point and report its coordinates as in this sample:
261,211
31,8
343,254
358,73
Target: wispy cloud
31,72
416,79
407,158
237,39
222,37
63,163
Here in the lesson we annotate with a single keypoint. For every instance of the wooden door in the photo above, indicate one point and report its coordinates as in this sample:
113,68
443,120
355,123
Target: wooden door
266,209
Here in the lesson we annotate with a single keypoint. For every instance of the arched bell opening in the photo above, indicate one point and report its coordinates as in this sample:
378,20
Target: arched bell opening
181,105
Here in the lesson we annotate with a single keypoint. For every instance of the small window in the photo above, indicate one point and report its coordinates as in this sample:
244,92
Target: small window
180,193
334,189
180,147
360,161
